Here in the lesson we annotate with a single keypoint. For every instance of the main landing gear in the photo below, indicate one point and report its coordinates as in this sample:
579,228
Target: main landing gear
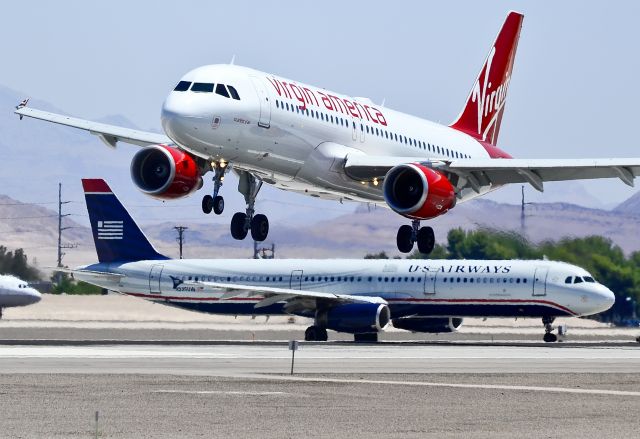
315,333
215,202
408,235
549,337
241,223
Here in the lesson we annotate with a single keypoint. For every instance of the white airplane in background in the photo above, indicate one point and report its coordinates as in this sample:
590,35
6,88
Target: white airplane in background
310,140
355,296
16,292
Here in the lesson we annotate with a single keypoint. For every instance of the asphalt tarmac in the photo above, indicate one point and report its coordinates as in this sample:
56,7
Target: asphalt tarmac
337,390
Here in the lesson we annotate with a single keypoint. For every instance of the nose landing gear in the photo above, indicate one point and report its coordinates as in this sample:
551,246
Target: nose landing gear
215,202
423,236
241,223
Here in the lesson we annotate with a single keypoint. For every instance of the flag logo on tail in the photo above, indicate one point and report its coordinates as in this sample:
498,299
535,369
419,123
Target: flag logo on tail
110,229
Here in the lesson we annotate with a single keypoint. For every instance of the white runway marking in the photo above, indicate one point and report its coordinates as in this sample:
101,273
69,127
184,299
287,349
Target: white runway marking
466,386
221,392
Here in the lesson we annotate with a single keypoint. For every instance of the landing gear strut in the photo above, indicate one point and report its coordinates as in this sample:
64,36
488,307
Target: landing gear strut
315,333
408,235
215,202
549,337
241,223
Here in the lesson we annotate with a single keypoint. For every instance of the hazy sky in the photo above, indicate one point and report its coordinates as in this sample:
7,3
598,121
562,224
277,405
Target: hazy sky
573,94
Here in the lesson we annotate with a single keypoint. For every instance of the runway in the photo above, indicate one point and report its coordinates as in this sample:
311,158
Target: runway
156,372
338,389
336,358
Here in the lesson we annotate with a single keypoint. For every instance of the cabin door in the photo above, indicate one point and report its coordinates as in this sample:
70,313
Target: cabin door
540,281
296,280
265,105
154,278
430,281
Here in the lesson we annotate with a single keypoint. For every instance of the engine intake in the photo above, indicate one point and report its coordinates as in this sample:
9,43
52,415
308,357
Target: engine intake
164,172
355,318
431,325
418,192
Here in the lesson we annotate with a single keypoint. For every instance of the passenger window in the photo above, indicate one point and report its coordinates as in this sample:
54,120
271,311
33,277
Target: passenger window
222,90
234,93
202,87
182,86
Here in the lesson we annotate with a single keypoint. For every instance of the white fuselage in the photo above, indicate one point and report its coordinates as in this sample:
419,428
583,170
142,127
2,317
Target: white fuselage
16,292
296,136
461,288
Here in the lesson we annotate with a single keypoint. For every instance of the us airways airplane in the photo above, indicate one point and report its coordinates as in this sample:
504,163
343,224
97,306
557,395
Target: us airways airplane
361,297
317,142
16,292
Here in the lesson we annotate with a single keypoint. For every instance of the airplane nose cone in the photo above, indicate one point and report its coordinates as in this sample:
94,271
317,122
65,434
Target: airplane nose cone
608,298
34,296
184,120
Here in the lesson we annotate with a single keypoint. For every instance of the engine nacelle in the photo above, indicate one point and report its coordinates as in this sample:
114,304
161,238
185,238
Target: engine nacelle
418,192
355,318
432,325
165,173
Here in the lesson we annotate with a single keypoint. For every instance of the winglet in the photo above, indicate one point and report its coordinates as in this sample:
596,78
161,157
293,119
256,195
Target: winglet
482,113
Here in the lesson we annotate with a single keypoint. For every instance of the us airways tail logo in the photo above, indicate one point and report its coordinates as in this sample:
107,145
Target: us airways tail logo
489,99
110,229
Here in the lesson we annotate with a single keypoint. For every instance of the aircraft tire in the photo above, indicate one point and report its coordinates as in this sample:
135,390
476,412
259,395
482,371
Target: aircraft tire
259,227
550,338
207,204
238,230
371,337
404,239
218,204
426,240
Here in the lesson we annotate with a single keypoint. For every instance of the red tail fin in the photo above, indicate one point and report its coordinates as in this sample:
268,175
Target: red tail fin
483,111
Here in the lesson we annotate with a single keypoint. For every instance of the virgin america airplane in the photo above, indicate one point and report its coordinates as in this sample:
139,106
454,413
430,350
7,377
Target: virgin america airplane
306,139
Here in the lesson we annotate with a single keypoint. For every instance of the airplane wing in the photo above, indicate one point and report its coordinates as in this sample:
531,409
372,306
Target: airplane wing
115,277
503,171
273,295
109,134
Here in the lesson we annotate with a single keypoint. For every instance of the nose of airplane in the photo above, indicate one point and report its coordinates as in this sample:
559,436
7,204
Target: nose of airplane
34,296
603,299
185,118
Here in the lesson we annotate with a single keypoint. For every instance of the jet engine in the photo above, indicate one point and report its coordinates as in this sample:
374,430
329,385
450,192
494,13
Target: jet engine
418,192
432,325
355,318
165,173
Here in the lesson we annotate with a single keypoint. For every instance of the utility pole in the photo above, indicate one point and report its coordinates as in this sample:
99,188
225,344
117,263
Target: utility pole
180,237
60,229
522,204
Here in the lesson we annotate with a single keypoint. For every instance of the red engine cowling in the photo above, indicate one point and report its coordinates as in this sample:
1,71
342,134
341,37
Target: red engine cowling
418,192
165,172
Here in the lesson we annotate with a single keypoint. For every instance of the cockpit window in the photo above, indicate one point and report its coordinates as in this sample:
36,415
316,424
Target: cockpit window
222,90
568,280
234,93
577,280
589,279
202,87
182,86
